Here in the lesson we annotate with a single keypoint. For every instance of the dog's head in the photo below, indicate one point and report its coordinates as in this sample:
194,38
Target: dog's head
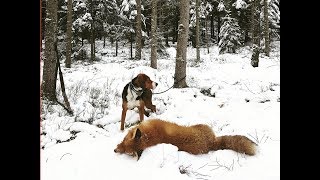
143,81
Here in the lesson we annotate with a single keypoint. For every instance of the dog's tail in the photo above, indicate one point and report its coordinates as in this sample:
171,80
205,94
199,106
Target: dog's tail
238,143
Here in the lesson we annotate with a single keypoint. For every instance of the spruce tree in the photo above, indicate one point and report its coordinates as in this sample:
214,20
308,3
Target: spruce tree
230,35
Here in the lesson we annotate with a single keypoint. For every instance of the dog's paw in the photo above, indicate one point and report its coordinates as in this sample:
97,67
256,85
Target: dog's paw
147,113
153,108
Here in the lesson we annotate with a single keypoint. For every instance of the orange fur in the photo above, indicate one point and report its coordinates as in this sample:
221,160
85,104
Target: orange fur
196,139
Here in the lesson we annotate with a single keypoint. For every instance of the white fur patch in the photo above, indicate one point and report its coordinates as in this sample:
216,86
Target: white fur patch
154,85
131,97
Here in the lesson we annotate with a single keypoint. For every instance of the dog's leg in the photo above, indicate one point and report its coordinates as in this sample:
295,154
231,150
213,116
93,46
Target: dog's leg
151,106
147,98
123,115
141,110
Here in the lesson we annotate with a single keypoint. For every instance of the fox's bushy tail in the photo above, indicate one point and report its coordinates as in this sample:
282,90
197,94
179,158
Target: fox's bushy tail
238,143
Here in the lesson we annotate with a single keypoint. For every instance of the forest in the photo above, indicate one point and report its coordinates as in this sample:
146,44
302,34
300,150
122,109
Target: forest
68,25
216,62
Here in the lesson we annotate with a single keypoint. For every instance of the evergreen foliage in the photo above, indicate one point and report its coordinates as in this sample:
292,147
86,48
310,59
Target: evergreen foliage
230,35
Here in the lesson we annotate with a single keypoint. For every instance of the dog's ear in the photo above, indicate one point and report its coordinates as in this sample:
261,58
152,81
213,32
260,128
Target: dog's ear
139,81
135,81
137,134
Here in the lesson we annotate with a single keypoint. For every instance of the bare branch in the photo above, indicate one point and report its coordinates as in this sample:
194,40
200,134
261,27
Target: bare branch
65,154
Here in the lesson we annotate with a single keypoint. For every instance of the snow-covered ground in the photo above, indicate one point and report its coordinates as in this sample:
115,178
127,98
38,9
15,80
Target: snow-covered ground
225,92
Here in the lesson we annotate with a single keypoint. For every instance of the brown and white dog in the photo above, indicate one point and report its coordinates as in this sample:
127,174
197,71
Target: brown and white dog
137,93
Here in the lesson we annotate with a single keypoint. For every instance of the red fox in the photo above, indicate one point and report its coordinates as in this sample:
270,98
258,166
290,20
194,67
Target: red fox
196,139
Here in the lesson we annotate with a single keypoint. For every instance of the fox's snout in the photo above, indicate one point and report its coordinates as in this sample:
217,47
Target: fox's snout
117,150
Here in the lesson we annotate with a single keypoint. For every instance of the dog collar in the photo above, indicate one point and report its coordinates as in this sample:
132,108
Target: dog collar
138,92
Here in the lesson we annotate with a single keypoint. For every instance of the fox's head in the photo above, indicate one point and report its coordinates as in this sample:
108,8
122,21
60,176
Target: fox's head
130,144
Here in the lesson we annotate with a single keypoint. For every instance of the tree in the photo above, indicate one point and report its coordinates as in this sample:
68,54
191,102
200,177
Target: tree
221,9
241,12
207,11
69,35
114,23
255,22
138,31
255,17
96,15
266,28
274,18
128,11
230,35
92,29
50,60
81,25
181,55
198,30
255,55
108,17
154,42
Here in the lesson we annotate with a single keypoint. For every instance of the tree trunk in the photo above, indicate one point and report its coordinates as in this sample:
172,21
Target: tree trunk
92,58
69,35
212,25
181,55
197,31
167,37
82,34
50,61
255,20
138,31
67,106
92,44
131,46
207,35
255,56
252,21
246,36
266,28
154,42
218,28
116,47
255,32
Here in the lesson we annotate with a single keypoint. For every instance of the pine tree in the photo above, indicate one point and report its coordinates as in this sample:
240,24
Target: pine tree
81,24
128,11
241,12
221,10
274,18
230,35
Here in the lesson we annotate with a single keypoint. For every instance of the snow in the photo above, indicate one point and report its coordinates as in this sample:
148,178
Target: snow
240,4
225,92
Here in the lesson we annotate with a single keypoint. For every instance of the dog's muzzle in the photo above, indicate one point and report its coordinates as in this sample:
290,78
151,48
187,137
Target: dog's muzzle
154,85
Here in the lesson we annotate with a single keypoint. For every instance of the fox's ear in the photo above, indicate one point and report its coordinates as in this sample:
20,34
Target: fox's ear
137,134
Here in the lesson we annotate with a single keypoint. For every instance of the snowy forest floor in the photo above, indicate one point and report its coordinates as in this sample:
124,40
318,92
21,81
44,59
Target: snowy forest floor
224,91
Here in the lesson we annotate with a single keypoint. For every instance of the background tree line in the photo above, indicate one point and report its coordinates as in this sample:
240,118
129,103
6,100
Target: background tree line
67,25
